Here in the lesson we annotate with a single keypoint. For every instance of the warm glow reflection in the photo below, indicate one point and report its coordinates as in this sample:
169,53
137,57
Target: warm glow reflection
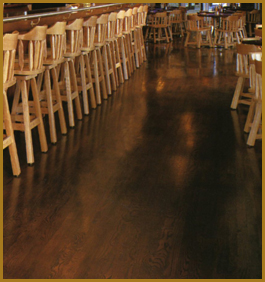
160,85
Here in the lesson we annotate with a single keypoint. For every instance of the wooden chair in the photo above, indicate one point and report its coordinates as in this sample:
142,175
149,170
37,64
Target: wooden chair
50,99
225,33
244,59
242,23
252,19
122,45
67,72
113,45
128,28
26,112
135,34
109,54
100,45
142,14
9,53
90,56
83,64
176,22
159,24
196,25
253,122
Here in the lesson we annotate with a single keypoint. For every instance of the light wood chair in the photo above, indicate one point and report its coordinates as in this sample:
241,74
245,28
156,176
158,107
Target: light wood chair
100,44
26,112
109,54
135,34
122,45
252,19
9,53
242,23
253,124
228,31
196,25
128,29
159,24
243,71
90,58
47,81
113,45
83,64
176,22
67,73
142,14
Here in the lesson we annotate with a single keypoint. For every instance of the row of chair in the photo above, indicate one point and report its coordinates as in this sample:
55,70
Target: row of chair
53,65
249,69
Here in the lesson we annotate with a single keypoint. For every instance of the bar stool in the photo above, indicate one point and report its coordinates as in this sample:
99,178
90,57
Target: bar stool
113,33
176,22
142,15
124,55
244,58
196,25
26,112
135,36
9,53
50,99
83,64
67,74
127,32
253,122
108,54
98,69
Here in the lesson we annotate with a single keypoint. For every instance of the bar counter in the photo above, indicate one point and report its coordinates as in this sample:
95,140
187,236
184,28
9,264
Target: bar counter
26,20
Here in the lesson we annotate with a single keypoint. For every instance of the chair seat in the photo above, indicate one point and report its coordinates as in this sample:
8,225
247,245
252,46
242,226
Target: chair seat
28,72
72,55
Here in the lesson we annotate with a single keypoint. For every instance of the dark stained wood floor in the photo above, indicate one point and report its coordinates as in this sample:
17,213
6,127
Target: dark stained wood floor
158,182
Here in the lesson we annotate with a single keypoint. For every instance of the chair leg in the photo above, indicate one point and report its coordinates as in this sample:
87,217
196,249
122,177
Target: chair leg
250,116
255,125
96,76
58,101
102,76
124,58
237,93
81,64
111,67
41,130
10,134
90,81
49,101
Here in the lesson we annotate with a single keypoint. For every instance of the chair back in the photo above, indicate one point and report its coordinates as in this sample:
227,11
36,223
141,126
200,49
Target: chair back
119,23
159,20
194,23
101,30
134,18
140,16
74,38
175,16
55,37
127,23
253,16
31,51
145,11
246,54
230,24
89,30
111,27
9,54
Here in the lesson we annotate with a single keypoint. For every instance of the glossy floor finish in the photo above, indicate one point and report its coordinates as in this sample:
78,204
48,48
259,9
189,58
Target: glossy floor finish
158,182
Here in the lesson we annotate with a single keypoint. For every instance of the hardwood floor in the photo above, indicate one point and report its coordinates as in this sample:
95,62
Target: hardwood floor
157,182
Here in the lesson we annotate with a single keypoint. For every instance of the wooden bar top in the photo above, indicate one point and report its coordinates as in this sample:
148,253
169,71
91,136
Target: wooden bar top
26,20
